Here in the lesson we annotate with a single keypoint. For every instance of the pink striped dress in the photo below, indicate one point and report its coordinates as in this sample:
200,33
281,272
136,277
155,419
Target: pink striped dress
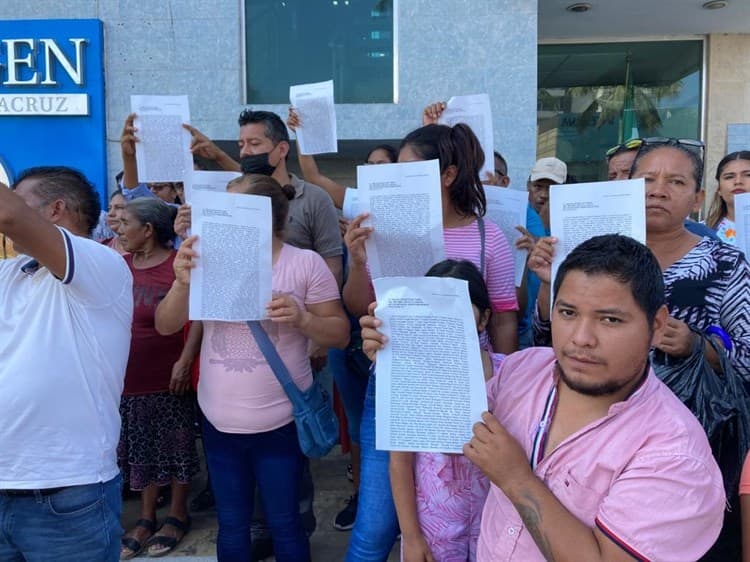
450,494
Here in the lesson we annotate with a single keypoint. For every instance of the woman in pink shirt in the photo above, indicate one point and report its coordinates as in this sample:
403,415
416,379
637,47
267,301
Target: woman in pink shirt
248,427
463,204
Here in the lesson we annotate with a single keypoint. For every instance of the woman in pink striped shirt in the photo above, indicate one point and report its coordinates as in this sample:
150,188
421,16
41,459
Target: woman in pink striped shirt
461,157
468,236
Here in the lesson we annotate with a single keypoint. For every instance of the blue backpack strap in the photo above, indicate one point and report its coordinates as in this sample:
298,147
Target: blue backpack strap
274,361
480,225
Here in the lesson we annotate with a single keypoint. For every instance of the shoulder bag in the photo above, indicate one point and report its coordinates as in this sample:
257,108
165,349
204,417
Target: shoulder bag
317,425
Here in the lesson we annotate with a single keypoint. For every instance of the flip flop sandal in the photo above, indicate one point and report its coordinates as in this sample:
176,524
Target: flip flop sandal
168,543
132,544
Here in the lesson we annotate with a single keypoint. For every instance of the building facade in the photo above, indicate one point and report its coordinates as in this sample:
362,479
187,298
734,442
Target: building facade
543,65
441,48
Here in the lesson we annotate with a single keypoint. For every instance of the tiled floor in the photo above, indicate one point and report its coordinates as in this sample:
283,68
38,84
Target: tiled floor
328,545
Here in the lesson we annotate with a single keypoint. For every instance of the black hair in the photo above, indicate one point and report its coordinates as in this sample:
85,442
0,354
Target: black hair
692,154
454,146
466,270
258,184
625,260
275,128
157,213
503,163
70,185
179,186
115,193
199,163
388,149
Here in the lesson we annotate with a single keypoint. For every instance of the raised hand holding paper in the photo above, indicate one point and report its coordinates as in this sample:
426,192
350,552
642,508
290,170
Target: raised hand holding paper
431,387
584,210
406,213
232,278
475,111
163,151
317,113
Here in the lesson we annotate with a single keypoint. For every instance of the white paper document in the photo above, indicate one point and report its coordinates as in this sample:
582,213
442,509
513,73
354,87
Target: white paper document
738,137
204,180
317,113
507,209
405,207
475,111
431,387
163,150
584,210
742,221
232,278
350,209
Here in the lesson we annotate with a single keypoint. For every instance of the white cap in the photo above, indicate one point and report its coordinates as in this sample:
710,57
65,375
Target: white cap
549,169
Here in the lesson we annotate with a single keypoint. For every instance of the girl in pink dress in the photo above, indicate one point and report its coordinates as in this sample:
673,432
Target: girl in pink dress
439,497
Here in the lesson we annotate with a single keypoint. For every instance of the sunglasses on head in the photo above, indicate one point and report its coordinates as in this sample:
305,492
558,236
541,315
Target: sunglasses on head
691,144
632,144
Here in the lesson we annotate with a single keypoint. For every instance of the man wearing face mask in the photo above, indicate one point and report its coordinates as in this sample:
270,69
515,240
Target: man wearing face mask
264,146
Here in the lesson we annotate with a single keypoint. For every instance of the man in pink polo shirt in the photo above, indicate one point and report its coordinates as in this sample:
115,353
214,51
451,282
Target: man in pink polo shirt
590,456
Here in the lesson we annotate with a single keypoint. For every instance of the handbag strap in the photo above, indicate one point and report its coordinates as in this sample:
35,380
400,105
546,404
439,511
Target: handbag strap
274,361
480,225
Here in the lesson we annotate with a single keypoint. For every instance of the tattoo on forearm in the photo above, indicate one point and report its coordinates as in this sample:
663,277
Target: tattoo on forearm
528,509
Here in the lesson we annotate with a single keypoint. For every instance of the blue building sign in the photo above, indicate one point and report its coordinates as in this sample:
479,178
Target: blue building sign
52,97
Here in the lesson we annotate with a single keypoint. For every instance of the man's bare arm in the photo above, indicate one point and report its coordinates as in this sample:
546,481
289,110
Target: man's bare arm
37,237
560,535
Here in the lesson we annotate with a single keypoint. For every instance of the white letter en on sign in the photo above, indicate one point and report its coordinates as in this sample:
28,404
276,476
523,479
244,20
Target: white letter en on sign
15,60
23,53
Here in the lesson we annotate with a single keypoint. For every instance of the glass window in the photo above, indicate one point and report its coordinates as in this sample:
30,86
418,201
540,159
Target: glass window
594,96
301,41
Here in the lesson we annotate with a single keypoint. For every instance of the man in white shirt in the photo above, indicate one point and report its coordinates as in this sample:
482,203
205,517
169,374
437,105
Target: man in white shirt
65,316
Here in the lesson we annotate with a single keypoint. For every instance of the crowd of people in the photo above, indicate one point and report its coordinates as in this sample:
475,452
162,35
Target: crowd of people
618,419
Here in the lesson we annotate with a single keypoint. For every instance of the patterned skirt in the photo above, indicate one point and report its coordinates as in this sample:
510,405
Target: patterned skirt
157,440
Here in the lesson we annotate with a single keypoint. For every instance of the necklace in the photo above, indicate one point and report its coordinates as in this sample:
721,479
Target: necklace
144,257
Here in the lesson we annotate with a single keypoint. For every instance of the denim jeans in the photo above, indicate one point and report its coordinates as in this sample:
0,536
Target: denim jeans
260,528
376,526
273,461
352,388
76,523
